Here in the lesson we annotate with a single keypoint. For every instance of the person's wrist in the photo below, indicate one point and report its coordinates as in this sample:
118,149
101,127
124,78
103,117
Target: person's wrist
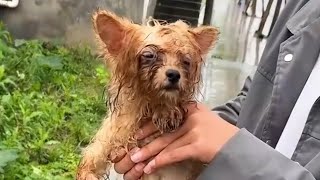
224,132
230,131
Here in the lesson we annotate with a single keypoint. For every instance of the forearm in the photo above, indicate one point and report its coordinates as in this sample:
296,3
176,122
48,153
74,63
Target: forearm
245,157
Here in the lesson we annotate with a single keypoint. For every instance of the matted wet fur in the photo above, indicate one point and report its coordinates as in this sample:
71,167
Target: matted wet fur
156,70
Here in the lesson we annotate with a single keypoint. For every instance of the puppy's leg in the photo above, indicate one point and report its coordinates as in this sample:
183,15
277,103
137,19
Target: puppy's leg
95,161
114,134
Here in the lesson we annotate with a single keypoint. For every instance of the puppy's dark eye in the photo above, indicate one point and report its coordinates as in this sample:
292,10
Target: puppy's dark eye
187,63
149,56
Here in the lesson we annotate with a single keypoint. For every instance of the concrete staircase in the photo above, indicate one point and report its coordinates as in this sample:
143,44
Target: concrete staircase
172,10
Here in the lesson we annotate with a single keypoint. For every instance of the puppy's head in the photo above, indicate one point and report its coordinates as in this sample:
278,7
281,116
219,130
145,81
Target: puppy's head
160,62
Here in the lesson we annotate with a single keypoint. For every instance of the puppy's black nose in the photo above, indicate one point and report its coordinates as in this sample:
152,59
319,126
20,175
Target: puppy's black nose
173,75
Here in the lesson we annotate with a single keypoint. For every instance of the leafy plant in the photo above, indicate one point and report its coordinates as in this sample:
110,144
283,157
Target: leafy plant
6,156
50,104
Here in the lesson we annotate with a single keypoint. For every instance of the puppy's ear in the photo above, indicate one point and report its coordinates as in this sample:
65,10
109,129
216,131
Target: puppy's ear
205,36
111,30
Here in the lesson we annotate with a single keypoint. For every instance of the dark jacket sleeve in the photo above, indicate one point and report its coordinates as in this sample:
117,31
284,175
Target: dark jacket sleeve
230,110
245,157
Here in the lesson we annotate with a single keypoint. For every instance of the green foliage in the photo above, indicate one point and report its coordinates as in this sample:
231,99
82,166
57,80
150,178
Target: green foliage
6,156
51,102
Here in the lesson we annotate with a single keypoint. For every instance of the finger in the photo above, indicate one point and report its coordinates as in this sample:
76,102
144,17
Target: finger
170,157
125,164
191,108
116,157
135,173
194,107
146,131
156,146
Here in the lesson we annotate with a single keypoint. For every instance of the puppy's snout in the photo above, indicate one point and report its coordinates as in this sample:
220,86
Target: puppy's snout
173,76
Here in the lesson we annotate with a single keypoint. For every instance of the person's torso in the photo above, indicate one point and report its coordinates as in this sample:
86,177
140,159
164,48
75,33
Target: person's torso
290,55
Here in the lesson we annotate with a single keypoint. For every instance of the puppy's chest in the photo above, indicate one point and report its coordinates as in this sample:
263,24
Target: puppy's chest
186,170
166,119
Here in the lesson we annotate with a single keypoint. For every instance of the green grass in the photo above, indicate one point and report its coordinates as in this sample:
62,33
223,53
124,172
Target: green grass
51,102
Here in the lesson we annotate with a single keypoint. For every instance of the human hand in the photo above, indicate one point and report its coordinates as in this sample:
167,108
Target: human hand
203,131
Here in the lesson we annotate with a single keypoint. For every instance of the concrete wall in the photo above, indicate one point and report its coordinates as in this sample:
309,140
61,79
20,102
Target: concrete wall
68,20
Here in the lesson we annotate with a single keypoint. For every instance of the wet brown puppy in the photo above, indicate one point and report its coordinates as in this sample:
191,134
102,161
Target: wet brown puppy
156,71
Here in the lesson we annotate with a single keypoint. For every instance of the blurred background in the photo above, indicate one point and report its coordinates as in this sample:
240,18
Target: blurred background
52,83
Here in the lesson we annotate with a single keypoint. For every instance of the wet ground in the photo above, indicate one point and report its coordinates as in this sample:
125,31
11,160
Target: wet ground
222,80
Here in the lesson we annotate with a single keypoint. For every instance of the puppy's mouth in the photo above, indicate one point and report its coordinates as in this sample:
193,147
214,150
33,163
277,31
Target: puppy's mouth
170,92
171,87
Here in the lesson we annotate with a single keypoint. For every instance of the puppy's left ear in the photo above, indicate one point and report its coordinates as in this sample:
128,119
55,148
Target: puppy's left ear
206,37
112,30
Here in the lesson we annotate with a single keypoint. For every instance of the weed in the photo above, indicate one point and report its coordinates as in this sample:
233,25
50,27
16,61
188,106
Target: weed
50,104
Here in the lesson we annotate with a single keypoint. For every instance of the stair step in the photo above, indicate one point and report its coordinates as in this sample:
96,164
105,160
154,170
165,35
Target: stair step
181,3
173,10
193,1
172,18
178,11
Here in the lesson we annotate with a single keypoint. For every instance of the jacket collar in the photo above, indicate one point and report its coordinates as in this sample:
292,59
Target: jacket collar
305,16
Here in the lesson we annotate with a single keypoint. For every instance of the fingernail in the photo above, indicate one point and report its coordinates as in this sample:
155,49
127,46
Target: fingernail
135,157
138,134
139,167
149,167
133,151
